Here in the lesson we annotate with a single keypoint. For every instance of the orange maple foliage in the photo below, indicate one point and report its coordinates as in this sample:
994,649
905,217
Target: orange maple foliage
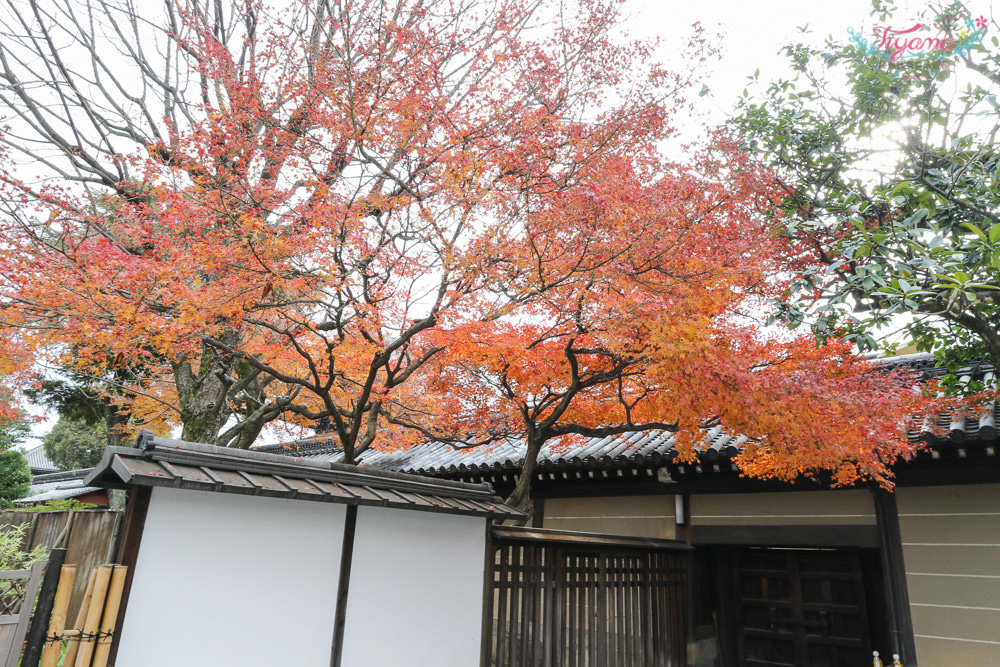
264,222
413,218
648,294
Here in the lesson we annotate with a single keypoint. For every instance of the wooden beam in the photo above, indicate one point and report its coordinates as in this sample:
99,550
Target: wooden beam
839,535
43,612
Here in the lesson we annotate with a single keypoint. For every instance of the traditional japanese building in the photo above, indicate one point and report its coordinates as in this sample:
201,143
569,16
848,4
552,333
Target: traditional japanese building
783,574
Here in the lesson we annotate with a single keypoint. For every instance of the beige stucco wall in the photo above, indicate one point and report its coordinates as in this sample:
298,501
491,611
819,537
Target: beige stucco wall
951,550
846,507
636,516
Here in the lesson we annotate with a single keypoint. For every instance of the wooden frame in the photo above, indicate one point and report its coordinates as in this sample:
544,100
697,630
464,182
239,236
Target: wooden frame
13,638
569,598
787,536
344,584
128,552
894,573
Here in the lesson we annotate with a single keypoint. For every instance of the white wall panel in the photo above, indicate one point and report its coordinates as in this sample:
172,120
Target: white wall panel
951,548
415,598
638,516
844,506
225,579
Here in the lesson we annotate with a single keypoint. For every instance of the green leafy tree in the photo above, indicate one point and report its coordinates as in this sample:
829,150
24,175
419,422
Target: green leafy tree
15,474
12,432
79,400
15,556
73,444
891,172
15,477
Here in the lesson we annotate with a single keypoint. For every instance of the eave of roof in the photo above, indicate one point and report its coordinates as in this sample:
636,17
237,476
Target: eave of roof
590,540
436,459
179,464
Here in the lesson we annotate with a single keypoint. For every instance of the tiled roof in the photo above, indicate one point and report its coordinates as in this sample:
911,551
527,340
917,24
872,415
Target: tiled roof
629,450
174,463
435,458
38,461
58,486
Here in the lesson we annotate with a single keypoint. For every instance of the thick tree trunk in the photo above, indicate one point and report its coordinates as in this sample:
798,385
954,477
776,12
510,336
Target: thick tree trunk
113,418
521,494
203,396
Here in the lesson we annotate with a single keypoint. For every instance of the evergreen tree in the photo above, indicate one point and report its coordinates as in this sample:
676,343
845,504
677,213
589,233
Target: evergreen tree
73,444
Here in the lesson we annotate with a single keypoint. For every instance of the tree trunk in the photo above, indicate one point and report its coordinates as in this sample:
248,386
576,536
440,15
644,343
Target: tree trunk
113,418
521,494
203,396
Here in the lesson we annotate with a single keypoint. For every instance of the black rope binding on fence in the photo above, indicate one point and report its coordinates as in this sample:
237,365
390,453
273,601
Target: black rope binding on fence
83,636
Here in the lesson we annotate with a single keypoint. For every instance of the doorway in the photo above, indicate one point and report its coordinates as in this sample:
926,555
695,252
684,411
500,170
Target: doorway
794,607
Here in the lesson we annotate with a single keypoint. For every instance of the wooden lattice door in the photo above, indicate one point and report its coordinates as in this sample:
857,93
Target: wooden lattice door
801,608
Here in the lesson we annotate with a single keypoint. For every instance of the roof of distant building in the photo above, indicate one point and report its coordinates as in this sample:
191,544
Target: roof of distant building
38,461
58,486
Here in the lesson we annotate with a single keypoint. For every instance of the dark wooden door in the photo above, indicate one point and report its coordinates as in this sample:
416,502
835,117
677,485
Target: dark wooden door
801,608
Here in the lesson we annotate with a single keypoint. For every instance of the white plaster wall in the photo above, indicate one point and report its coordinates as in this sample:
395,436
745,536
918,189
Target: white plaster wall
415,598
226,579
951,549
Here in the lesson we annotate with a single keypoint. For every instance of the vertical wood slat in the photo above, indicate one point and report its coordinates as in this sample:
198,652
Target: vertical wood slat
557,567
502,616
629,601
623,652
582,607
57,622
646,617
588,649
636,635
526,623
537,625
520,621
43,610
489,600
574,645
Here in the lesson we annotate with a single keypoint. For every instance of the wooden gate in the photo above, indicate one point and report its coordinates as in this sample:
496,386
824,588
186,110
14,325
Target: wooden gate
802,607
562,599
16,603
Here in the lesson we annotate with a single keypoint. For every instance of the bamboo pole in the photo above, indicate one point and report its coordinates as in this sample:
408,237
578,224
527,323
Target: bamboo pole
93,620
110,616
57,623
81,616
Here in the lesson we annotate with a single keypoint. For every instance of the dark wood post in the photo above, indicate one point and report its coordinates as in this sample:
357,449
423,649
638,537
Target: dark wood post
46,598
344,584
136,508
897,596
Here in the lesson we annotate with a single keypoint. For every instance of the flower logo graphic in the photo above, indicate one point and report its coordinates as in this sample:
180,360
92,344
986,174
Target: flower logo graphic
981,22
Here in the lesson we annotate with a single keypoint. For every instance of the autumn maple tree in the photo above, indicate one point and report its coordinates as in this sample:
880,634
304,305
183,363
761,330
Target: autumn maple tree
650,286
408,219
234,213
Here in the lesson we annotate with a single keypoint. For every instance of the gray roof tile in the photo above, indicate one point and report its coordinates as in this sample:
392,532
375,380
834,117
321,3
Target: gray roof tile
174,463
